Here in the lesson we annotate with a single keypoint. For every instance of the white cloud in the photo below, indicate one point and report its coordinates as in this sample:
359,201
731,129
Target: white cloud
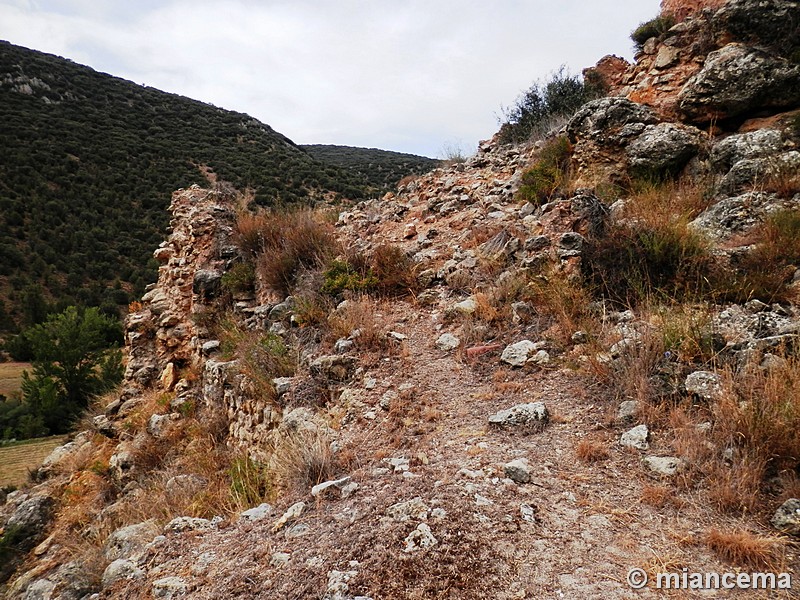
408,75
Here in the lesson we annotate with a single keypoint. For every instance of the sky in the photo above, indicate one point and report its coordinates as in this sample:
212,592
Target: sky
427,77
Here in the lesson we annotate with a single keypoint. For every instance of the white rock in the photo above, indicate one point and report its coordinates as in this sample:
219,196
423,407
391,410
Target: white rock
636,438
517,354
663,465
447,342
257,513
419,539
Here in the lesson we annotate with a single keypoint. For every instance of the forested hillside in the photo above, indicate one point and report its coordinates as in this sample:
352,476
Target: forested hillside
87,168
382,168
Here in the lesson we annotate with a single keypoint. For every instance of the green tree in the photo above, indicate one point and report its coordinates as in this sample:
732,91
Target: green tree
73,360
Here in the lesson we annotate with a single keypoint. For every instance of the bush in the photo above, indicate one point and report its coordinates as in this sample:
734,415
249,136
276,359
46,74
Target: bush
389,271
653,28
547,104
632,262
548,174
284,243
240,278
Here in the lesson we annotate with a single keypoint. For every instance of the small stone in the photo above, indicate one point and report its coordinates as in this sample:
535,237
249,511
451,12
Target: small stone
210,347
181,524
663,465
528,513
531,414
410,509
787,517
627,410
169,587
517,354
447,342
120,569
322,488
279,559
282,385
541,357
704,384
580,337
257,513
294,512
420,539
519,471
466,307
636,438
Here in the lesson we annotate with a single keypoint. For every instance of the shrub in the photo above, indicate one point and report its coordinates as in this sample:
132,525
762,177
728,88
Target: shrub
240,278
249,482
545,105
746,549
284,243
653,28
652,251
548,174
343,275
389,271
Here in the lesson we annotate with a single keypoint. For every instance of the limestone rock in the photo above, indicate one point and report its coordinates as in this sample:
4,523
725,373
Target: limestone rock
410,509
420,539
787,517
532,414
518,470
181,524
129,542
663,149
636,438
447,342
120,569
169,587
704,384
517,354
663,465
333,367
752,144
257,513
738,79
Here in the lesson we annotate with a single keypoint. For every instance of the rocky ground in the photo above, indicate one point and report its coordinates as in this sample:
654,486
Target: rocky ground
476,439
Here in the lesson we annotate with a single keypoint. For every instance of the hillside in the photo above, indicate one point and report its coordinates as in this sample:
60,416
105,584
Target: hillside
382,168
89,163
565,368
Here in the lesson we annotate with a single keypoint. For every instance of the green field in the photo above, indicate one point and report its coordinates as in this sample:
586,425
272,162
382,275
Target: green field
16,460
10,376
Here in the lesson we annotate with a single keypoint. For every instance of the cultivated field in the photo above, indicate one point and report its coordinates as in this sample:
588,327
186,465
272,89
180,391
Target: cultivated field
17,459
10,376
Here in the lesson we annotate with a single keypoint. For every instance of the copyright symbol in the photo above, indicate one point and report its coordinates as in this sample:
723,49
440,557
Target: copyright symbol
637,578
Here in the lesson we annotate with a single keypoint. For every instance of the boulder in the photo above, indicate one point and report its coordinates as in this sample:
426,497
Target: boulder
605,120
517,354
752,144
207,283
704,384
737,80
663,149
129,542
333,367
120,569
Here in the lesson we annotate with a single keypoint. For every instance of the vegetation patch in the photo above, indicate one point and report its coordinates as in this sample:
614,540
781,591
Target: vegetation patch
654,28
548,175
546,105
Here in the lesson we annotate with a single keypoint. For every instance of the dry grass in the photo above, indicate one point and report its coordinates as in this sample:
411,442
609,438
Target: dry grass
591,451
564,300
360,313
282,244
746,549
657,496
303,459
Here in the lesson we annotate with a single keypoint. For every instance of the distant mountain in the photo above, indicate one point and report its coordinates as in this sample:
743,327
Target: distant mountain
382,168
88,164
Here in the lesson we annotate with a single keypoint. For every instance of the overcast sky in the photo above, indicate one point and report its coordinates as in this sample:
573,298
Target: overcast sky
407,75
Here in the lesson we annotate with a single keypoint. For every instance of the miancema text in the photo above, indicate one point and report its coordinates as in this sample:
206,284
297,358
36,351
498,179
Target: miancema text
726,581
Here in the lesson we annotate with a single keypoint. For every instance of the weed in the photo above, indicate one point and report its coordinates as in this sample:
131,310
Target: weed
283,243
302,459
250,483
765,270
